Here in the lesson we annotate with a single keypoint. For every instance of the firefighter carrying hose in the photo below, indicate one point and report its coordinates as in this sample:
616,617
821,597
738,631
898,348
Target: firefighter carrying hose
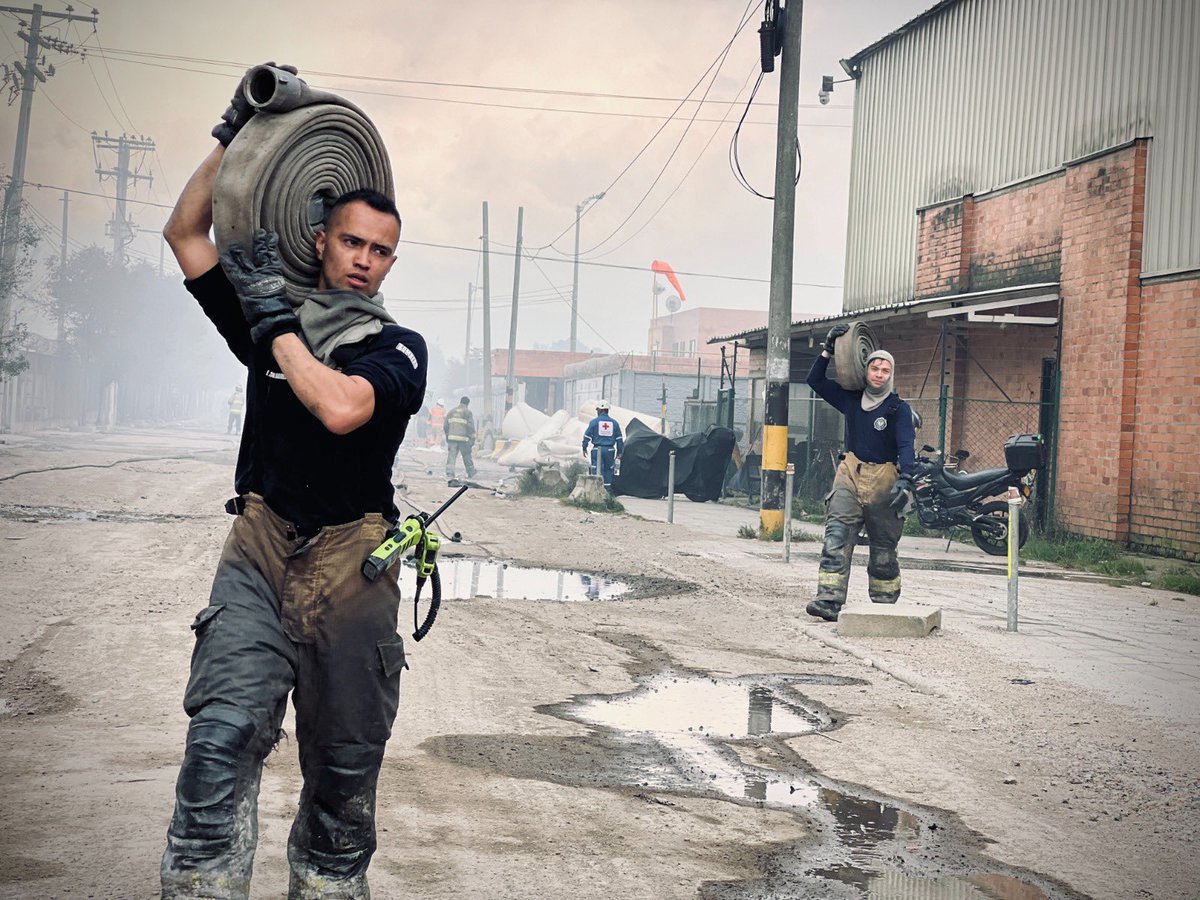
873,481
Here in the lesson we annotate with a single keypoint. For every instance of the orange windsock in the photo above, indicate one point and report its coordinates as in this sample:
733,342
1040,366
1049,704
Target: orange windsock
662,268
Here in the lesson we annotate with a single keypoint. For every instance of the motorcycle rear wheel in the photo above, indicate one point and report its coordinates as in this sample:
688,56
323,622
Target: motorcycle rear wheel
994,545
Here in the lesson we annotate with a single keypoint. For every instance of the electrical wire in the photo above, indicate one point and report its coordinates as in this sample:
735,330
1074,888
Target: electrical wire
715,63
675,190
679,143
630,268
595,331
735,163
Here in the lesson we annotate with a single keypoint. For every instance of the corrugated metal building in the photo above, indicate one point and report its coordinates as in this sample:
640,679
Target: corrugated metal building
1024,234
974,95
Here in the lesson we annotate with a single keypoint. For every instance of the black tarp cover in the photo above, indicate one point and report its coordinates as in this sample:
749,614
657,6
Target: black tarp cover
700,462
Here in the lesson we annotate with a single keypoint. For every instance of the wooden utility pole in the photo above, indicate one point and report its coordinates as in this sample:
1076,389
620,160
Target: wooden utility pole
25,76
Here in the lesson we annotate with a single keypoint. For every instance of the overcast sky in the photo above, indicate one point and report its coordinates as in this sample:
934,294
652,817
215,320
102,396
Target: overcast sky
166,70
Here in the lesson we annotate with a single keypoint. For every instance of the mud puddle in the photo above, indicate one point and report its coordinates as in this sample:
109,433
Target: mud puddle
464,578
725,736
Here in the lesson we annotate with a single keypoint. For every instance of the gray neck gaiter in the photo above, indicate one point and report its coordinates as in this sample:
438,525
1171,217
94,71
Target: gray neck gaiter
331,318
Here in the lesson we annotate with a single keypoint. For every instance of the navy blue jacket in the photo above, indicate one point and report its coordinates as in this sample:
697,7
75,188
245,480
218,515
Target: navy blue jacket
885,434
604,431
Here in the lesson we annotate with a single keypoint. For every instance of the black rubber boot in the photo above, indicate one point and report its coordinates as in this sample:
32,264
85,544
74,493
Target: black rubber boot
824,609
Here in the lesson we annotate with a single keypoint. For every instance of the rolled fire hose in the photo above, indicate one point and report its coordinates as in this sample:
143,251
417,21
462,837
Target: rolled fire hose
301,151
850,353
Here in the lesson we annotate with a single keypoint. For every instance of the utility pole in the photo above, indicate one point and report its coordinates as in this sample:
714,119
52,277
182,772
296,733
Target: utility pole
579,207
510,382
26,76
487,324
779,320
120,228
62,266
467,352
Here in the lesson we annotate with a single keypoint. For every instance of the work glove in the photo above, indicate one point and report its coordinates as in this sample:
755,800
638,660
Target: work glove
834,333
261,288
901,497
240,111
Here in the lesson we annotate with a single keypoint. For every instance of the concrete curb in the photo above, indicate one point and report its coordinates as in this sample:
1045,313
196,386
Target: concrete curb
913,680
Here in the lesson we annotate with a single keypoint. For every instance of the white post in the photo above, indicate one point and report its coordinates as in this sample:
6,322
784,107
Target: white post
671,489
787,512
1014,530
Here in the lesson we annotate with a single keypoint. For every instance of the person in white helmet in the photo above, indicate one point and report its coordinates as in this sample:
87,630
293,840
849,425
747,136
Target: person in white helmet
604,434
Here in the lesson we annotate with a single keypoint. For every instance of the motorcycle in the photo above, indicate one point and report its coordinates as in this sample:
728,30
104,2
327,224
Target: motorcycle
946,497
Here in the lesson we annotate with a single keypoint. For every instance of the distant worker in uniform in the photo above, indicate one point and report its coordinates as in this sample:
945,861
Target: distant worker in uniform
437,421
460,437
872,485
237,403
604,434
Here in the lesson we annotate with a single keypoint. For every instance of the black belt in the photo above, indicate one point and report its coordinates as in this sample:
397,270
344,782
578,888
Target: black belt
235,506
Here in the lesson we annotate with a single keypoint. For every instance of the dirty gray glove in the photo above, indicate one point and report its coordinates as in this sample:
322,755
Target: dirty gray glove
261,288
901,496
239,111
834,333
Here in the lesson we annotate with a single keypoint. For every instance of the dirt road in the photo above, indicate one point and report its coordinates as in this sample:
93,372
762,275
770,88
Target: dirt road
998,778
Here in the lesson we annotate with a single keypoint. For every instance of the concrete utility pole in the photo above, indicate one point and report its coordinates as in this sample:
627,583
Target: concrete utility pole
120,228
579,208
487,324
467,352
26,75
62,262
779,321
510,381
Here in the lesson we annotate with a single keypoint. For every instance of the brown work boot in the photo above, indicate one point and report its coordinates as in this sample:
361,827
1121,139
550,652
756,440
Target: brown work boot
824,609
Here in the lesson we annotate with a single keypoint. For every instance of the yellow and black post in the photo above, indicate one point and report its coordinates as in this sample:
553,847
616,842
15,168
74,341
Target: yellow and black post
779,322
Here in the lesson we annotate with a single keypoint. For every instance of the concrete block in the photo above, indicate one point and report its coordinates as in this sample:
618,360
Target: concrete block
903,620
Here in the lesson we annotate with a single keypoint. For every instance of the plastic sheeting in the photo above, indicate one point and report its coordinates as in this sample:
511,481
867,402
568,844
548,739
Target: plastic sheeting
701,460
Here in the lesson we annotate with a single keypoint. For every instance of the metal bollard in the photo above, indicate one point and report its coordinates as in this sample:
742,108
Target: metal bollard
1014,531
787,512
671,489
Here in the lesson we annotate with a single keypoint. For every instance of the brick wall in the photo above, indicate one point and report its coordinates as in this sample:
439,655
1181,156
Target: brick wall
940,249
1017,236
1101,262
1165,496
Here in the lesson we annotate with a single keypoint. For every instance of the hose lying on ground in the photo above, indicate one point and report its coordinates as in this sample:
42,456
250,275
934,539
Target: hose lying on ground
301,151
850,354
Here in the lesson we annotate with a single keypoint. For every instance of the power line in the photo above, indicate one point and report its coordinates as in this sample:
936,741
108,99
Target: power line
628,268
116,54
720,58
720,63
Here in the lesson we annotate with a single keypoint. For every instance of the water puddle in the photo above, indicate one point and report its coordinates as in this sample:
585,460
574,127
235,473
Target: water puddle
464,578
715,733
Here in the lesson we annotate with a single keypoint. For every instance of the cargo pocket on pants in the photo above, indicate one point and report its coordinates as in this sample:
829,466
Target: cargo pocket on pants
391,656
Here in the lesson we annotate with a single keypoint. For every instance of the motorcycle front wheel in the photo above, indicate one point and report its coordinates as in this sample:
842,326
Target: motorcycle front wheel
997,544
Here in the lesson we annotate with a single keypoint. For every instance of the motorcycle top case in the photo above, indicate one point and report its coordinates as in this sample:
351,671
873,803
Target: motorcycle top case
1023,452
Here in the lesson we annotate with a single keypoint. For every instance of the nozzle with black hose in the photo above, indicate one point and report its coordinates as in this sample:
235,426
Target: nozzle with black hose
413,534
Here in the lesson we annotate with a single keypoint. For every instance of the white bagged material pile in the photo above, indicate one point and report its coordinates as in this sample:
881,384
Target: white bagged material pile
557,439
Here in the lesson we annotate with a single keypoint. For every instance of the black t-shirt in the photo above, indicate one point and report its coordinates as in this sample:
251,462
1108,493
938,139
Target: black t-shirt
306,473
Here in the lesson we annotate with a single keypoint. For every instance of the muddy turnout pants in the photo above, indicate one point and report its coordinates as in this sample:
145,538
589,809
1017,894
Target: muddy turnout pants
860,496
287,614
459,448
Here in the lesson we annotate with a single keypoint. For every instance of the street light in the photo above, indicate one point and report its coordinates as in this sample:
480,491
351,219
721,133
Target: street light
579,208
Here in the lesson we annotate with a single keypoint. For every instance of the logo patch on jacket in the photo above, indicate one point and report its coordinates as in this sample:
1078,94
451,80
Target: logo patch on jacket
411,356
880,423
605,429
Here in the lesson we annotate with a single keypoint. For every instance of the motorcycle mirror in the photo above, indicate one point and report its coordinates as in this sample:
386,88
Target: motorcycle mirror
962,454
927,449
